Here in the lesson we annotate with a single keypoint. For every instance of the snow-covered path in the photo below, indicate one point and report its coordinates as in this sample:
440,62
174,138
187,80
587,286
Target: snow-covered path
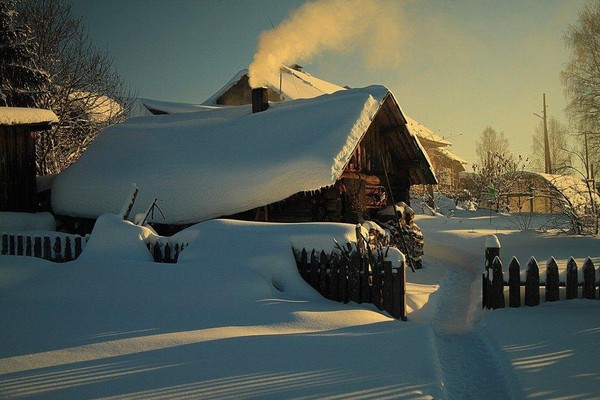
469,367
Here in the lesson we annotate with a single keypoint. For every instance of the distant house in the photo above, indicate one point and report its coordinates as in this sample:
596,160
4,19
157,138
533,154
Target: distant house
446,164
336,157
18,190
544,193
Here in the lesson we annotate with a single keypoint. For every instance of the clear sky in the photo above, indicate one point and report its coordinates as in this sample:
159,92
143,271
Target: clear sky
464,64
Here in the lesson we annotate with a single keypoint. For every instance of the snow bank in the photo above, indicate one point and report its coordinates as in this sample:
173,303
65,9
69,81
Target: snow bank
232,319
213,163
13,222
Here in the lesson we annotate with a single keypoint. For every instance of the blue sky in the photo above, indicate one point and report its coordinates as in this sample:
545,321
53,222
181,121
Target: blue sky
464,64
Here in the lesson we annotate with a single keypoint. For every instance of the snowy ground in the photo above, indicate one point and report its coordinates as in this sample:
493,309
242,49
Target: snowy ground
233,319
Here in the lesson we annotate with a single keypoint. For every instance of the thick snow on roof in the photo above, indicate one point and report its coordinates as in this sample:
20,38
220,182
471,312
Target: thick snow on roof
25,116
451,155
204,165
294,85
425,133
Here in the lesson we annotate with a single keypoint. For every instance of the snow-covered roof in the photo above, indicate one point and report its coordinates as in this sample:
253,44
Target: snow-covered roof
25,116
426,134
450,155
203,165
294,85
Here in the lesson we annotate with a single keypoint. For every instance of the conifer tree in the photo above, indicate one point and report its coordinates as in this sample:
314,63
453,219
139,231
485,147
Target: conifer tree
22,82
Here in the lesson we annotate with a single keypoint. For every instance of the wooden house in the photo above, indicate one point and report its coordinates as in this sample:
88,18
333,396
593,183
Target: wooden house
17,156
336,157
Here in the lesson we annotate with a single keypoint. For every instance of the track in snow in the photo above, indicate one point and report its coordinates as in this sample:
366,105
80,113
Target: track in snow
467,364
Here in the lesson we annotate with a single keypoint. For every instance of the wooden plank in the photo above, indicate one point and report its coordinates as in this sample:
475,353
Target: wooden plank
532,284
552,281
572,283
589,280
497,284
514,283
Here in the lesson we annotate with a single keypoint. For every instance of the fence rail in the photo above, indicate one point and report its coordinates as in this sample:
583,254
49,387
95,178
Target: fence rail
493,282
362,277
56,248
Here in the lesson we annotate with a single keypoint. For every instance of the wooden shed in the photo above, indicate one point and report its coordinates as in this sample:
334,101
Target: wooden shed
17,156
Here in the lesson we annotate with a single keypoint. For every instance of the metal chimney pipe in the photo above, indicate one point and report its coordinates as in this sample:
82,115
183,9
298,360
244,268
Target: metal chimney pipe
260,99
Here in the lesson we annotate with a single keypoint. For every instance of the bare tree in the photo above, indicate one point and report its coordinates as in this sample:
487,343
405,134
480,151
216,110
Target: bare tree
581,76
558,138
490,145
86,93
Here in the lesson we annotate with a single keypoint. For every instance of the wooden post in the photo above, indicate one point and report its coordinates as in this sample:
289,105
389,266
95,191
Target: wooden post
497,284
532,284
572,282
399,307
552,290
589,280
514,283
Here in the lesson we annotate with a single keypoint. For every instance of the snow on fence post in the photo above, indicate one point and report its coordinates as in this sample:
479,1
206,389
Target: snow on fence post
497,292
492,250
572,281
589,280
532,283
552,283
514,283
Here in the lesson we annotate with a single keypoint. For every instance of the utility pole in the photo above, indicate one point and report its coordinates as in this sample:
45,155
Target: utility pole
547,161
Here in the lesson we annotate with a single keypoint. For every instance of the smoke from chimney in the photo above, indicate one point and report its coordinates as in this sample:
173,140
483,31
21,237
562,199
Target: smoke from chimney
373,27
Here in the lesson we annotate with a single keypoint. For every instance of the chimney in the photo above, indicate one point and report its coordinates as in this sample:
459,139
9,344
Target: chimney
260,99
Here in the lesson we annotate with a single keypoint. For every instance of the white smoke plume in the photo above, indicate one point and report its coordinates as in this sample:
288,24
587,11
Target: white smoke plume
374,28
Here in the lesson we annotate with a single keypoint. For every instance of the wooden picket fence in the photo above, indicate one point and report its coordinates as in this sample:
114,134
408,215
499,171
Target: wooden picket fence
56,248
358,276
493,283
166,251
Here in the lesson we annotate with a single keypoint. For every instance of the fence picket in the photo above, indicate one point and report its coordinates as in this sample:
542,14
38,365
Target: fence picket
572,283
323,274
4,250
589,280
532,284
20,249
497,292
514,283
552,284
28,248
68,252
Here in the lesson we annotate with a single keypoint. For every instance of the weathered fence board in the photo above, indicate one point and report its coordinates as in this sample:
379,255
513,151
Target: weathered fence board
359,276
56,248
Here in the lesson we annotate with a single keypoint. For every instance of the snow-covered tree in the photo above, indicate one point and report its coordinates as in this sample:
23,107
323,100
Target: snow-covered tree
490,145
22,82
87,94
